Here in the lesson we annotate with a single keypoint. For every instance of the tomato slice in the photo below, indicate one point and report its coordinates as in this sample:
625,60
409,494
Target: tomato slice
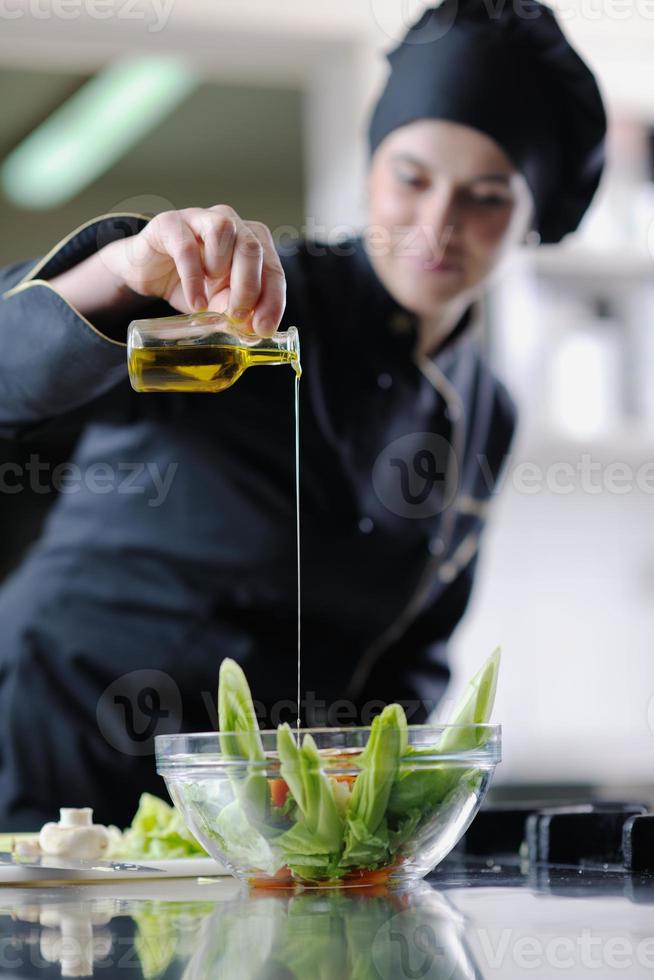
282,879
361,876
278,791
345,778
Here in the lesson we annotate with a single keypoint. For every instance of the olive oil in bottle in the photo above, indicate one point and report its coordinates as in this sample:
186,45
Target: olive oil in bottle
203,352
202,367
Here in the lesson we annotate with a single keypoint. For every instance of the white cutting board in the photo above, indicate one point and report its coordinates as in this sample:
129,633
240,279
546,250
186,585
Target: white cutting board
177,868
18,874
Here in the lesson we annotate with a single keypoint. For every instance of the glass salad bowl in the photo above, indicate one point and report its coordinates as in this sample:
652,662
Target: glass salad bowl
339,806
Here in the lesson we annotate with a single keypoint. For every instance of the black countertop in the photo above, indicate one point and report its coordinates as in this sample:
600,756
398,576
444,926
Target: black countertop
472,917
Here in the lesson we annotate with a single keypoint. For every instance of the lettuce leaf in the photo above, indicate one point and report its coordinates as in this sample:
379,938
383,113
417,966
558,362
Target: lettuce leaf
157,831
242,842
475,708
316,838
367,842
165,931
424,788
240,738
378,764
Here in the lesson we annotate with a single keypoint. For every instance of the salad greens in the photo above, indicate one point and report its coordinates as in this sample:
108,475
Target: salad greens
157,831
236,715
312,845
165,931
318,822
332,935
368,843
417,787
474,709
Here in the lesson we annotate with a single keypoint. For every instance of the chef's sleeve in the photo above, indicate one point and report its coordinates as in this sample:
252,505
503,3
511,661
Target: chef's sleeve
52,359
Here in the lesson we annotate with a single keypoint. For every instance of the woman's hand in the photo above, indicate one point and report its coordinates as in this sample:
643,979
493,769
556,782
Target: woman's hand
197,258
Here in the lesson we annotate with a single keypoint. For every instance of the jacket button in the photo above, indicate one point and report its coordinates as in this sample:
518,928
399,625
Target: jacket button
400,322
384,380
366,525
436,546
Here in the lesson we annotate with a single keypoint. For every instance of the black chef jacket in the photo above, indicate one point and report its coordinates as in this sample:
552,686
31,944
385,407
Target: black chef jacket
172,540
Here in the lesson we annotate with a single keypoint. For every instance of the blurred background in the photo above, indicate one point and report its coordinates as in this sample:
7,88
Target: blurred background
109,105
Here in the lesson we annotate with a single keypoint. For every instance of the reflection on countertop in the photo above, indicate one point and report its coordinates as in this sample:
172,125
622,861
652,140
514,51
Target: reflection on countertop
470,919
233,933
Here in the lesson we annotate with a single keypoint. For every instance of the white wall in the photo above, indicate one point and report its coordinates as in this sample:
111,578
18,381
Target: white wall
566,583
566,587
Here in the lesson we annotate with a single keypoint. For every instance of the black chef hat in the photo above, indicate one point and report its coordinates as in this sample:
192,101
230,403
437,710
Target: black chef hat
506,69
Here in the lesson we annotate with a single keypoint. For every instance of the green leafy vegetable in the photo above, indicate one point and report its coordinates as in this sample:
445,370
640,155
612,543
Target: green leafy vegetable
317,836
310,787
475,708
242,841
324,827
367,839
333,935
421,789
378,764
155,943
166,930
157,831
240,739
236,715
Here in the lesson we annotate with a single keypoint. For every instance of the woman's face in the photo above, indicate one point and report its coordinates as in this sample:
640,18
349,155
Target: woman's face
445,204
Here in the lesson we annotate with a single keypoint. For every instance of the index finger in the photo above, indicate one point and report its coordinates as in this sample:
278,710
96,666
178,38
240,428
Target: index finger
270,306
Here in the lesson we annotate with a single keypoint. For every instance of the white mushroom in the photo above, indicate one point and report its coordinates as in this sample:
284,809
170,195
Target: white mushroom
71,939
27,848
75,836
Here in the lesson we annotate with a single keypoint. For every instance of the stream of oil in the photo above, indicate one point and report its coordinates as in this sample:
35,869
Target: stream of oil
214,367
298,372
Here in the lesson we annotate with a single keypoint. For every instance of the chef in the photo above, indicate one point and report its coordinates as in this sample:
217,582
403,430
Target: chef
172,543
